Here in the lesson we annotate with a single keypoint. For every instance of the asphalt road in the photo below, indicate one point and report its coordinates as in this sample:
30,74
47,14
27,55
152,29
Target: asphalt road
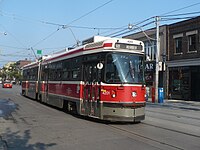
28,125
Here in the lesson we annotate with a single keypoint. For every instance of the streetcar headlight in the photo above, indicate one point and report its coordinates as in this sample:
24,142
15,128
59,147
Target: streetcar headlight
113,94
134,94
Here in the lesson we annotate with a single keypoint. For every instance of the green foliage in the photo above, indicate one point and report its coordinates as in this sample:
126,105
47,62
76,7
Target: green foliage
11,72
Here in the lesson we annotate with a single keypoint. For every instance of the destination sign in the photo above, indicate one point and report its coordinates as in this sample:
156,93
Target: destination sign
128,46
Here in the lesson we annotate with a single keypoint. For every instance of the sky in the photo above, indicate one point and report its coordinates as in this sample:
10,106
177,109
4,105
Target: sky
52,25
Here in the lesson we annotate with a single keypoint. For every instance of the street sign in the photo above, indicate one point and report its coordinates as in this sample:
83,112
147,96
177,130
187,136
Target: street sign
39,52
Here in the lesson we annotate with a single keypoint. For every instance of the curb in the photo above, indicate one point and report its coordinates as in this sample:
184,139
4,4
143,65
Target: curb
180,104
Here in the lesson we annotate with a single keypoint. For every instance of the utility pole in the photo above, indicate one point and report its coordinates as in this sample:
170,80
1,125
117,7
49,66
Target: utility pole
157,18
34,53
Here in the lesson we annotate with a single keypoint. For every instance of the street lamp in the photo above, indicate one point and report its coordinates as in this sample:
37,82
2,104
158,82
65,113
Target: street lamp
3,33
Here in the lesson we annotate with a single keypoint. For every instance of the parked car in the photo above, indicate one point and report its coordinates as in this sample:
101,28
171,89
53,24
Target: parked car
6,84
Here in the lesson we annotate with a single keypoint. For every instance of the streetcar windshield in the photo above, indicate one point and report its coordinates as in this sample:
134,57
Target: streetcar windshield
124,68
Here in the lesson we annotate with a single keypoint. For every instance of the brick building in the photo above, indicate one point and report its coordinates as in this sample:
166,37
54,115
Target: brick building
22,63
184,60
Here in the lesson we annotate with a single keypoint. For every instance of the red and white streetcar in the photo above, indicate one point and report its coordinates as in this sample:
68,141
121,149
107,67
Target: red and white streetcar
103,78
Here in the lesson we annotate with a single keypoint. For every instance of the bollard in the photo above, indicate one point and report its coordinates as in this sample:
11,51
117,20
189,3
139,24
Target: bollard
153,94
160,95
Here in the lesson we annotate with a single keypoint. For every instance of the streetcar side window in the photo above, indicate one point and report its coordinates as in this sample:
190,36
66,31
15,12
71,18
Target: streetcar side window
75,74
25,75
66,70
66,75
44,73
31,74
71,69
58,71
51,71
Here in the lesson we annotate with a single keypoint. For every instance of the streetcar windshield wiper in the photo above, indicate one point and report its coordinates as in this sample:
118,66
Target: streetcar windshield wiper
131,71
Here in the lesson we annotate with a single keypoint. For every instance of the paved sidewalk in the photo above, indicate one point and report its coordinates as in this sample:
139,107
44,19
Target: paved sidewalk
181,104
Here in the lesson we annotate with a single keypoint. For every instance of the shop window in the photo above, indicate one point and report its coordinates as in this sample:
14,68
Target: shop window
179,83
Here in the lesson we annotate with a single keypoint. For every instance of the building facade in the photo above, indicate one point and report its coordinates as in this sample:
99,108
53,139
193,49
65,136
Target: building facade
21,63
184,60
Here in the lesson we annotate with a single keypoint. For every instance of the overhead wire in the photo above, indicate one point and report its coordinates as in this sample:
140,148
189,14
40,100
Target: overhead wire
17,40
136,27
58,24
67,25
45,38
15,55
180,18
2,45
162,15
12,35
86,14
7,61
123,30
180,9
182,14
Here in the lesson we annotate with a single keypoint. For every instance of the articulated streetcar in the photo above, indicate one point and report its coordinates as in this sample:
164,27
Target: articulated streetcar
103,79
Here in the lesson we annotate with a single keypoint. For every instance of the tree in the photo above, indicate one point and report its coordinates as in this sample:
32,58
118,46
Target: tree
12,72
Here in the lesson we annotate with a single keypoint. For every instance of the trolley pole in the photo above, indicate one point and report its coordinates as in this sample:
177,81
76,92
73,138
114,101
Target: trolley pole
157,18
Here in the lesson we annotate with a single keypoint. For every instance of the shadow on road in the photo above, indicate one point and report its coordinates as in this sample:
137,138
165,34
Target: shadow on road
19,141
7,106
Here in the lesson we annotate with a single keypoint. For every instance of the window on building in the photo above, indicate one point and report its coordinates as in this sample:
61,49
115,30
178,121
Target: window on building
150,49
192,42
178,45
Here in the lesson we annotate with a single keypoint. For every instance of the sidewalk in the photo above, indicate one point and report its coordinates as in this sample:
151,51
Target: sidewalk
182,104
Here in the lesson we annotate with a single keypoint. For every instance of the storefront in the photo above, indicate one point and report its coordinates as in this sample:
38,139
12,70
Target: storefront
184,80
149,76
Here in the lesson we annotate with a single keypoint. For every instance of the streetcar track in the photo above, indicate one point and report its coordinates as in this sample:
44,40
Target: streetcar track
144,137
189,134
180,117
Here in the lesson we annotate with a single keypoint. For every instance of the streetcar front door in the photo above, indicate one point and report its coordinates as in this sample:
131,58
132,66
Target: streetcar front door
90,105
